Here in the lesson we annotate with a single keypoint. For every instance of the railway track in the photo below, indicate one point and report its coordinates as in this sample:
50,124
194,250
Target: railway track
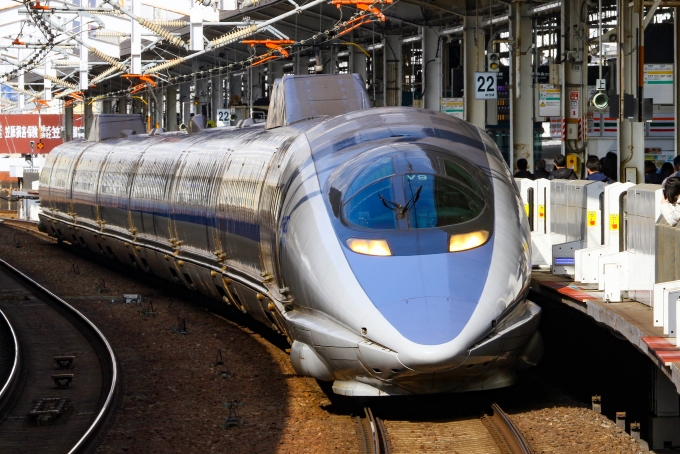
489,434
59,377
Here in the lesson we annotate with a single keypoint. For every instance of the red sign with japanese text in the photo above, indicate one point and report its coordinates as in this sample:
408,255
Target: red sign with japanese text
17,131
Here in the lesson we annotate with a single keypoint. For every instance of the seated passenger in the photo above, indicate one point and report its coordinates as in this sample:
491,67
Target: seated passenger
593,169
560,172
522,165
669,204
540,171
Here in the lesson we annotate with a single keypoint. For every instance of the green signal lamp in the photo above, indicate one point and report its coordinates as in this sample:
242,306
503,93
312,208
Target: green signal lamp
600,100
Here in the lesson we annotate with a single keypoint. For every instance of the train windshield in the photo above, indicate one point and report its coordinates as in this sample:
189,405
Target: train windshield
415,201
369,208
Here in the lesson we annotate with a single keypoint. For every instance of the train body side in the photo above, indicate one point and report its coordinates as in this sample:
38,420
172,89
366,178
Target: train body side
210,198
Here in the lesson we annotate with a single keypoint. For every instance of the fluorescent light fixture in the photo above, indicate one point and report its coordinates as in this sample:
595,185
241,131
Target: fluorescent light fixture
411,39
545,7
465,241
452,30
496,20
369,247
344,53
375,46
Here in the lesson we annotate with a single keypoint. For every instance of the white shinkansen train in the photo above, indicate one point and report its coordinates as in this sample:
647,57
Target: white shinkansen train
388,244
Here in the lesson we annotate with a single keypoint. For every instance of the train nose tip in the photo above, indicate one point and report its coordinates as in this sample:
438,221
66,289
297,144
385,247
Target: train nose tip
428,320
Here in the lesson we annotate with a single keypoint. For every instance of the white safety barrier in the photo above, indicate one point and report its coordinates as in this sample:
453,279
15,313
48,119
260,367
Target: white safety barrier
536,198
635,264
576,209
665,307
587,259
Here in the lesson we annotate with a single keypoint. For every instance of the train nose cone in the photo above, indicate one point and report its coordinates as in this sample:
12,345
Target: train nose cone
428,320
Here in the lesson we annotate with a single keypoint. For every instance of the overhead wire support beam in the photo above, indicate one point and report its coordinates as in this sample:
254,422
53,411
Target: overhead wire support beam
231,37
174,40
650,13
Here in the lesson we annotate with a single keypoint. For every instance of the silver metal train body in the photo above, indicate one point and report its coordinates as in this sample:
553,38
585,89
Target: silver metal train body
389,245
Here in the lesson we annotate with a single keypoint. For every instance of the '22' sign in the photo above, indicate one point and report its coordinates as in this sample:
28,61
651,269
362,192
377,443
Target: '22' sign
486,85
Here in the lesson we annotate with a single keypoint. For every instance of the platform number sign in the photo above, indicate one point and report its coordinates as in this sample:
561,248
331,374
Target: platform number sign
223,117
486,86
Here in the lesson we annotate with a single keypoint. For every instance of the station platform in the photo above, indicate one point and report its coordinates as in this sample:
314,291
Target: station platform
630,319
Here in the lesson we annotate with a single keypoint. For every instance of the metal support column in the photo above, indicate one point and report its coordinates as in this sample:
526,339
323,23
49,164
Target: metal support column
357,62
473,61
186,103
136,40
521,91
68,124
676,65
87,117
122,107
171,103
215,96
158,109
392,67
631,137
432,67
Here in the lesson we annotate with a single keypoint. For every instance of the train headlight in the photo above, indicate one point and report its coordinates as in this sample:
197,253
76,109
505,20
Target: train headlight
465,241
369,247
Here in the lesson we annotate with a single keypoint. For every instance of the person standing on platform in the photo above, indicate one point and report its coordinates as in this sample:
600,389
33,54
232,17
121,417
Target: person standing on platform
676,170
669,203
651,177
540,171
522,165
610,165
560,172
593,169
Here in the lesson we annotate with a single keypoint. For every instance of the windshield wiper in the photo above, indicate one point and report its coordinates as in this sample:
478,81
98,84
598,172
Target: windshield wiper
411,203
401,210
394,206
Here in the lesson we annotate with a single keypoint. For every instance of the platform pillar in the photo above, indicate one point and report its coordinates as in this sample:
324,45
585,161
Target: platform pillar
631,136
68,124
521,93
106,106
432,68
171,109
676,84
186,103
392,67
203,94
87,117
216,97
357,62
473,61
122,105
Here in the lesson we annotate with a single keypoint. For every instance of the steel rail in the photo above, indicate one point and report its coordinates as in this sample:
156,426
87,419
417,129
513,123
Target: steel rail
9,383
94,428
510,428
376,440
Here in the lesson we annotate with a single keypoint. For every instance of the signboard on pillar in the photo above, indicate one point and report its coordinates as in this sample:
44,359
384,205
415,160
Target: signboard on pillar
658,83
223,117
548,100
453,107
486,85
574,111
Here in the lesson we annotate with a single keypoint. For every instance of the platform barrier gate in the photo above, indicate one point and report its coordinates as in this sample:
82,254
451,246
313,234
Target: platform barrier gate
577,212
